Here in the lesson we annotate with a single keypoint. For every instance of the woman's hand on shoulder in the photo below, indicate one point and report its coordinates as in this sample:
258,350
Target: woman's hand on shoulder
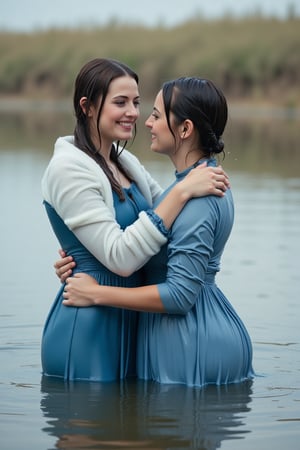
207,180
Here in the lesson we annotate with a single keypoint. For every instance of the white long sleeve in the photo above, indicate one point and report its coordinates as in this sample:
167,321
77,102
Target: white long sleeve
79,191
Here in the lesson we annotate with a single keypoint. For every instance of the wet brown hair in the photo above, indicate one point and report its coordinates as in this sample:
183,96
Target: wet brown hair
93,82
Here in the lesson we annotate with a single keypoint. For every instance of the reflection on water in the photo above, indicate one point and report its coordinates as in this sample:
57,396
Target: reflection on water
143,415
263,145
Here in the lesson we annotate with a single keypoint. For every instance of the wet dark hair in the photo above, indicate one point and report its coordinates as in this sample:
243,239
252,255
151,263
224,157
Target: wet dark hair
93,82
200,101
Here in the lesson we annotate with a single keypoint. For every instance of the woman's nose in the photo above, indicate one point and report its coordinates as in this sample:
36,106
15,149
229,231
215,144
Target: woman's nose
148,122
132,111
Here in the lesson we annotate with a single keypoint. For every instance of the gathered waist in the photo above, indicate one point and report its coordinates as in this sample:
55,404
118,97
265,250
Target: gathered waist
210,278
87,263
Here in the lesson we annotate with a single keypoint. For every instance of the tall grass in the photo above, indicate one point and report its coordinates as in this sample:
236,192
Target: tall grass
250,58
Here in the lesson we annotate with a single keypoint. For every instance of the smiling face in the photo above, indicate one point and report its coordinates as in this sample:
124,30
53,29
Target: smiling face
119,113
162,140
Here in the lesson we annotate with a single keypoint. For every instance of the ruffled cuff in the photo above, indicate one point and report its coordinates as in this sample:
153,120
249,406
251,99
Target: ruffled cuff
158,222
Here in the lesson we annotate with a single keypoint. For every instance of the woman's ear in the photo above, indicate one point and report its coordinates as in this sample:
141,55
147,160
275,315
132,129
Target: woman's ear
187,128
83,104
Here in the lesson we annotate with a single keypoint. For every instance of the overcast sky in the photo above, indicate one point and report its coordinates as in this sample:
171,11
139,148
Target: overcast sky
28,15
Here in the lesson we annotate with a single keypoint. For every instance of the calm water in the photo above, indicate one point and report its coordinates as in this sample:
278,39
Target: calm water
260,276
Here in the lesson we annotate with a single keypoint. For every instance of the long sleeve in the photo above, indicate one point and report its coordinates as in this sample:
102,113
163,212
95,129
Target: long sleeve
76,187
194,251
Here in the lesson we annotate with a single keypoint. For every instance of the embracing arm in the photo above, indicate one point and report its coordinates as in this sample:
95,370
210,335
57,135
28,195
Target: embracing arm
83,290
186,269
200,182
208,180
190,249
81,195
72,187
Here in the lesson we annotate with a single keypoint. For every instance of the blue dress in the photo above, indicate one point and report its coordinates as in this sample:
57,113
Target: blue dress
96,344
201,340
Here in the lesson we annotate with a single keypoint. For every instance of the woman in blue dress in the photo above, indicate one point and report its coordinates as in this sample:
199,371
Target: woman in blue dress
189,333
95,196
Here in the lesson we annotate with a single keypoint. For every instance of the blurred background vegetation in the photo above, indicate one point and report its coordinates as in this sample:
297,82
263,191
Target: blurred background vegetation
252,59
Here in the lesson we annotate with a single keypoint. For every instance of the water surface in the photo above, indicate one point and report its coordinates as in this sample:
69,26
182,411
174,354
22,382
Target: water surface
260,276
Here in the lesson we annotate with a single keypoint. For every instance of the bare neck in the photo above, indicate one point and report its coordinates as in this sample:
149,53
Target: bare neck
183,160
